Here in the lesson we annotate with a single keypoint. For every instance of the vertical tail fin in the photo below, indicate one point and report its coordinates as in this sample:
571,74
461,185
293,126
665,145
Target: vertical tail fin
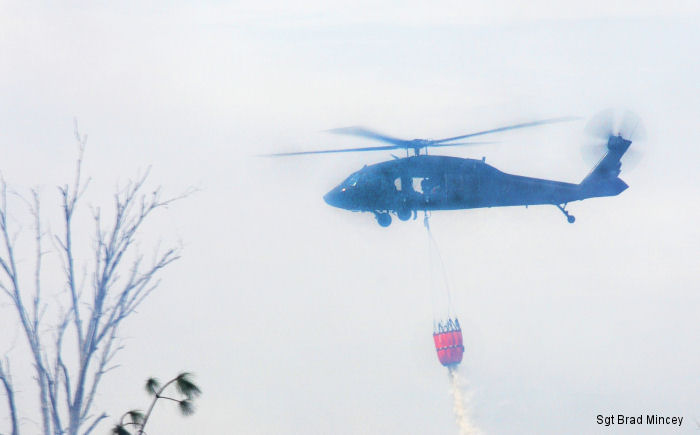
603,180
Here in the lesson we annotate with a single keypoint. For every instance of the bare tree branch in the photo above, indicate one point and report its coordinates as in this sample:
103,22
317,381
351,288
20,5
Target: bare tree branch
35,210
120,281
94,423
105,358
6,380
33,337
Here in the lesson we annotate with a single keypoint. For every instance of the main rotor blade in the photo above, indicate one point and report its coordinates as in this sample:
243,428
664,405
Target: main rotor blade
379,148
509,127
345,150
459,144
364,132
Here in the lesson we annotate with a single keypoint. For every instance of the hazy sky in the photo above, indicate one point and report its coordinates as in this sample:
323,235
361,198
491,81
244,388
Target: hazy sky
300,318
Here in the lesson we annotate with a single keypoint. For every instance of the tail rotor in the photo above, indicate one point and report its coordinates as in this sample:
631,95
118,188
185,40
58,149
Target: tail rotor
611,123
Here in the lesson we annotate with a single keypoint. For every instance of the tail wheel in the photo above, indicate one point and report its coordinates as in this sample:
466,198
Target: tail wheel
570,218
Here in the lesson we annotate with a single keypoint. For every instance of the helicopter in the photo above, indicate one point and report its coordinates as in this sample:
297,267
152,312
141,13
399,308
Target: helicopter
423,182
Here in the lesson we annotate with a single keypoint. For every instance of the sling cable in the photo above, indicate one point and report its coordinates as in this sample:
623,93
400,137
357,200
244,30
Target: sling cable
447,333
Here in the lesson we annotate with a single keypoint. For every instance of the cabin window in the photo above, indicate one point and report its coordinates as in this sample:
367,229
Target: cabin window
426,185
397,184
418,184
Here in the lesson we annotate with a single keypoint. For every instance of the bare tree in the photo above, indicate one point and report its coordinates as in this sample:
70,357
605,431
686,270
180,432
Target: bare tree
186,389
73,346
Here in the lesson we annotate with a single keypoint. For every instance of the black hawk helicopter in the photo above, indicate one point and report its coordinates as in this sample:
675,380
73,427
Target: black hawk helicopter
423,182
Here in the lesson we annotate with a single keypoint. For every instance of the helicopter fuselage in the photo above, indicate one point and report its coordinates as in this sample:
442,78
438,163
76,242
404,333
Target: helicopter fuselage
432,182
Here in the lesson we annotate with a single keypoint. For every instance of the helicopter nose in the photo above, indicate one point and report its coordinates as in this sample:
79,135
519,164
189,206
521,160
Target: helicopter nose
334,197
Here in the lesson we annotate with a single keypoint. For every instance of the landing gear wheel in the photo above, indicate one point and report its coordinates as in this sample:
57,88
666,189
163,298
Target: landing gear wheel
383,219
404,213
570,218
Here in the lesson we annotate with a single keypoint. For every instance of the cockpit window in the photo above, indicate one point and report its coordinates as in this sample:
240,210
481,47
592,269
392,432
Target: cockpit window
352,180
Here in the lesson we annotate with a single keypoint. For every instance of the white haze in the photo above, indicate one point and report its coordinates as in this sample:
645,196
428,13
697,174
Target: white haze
300,318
